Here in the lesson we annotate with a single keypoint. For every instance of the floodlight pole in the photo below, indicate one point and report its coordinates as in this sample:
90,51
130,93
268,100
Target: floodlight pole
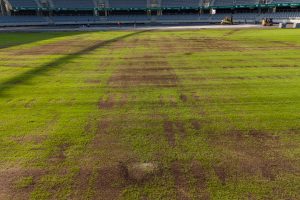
1,9
5,8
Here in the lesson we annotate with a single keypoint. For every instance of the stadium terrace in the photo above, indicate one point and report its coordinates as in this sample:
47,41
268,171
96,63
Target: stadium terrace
47,12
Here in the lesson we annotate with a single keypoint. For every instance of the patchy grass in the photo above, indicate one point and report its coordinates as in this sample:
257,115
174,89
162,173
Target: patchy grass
25,182
216,110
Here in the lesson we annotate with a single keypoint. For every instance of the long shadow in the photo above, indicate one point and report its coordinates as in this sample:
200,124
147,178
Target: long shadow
26,76
15,39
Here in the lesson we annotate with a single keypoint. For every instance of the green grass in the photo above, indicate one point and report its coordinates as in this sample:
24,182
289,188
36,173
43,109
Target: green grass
218,110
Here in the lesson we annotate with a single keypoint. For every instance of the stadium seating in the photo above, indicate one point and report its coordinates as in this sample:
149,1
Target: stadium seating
72,7
246,2
190,17
23,20
23,3
128,4
181,3
128,18
223,3
281,16
74,4
122,4
238,17
285,1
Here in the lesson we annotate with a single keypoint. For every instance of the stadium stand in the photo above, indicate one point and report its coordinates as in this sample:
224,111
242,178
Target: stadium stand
49,12
285,1
181,3
74,4
223,3
246,2
23,3
23,20
127,4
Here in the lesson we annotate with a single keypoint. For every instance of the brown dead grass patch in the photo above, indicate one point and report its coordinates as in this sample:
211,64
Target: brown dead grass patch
35,139
200,174
9,178
182,45
181,181
255,153
59,48
181,129
100,173
113,101
103,126
109,183
183,98
60,154
142,73
196,125
190,180
107,102
81,183
192,45
169,132
171,129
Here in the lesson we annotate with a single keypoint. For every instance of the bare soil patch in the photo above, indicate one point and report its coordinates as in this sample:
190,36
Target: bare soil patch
169,132
190,179
107,102
193,45
196,124
171,129
183,98
81,182
221,173
9,178
113,101
60,155
200,174
35,139
181,181
109,183
100,167
103,126
253,153
149,72
181,129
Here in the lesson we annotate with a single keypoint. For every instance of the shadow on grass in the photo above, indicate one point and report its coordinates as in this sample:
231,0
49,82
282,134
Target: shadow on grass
26,76
15,39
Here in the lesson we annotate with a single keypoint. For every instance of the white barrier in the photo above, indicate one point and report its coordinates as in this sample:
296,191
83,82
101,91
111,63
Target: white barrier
296,25
282,25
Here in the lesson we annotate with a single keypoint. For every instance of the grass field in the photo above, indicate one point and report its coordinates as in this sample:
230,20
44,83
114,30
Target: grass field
217,111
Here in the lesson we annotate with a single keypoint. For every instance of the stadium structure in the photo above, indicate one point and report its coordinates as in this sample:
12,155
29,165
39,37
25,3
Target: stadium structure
47,12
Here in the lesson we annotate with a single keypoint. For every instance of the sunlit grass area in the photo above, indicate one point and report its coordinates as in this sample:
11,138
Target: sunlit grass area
215,111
